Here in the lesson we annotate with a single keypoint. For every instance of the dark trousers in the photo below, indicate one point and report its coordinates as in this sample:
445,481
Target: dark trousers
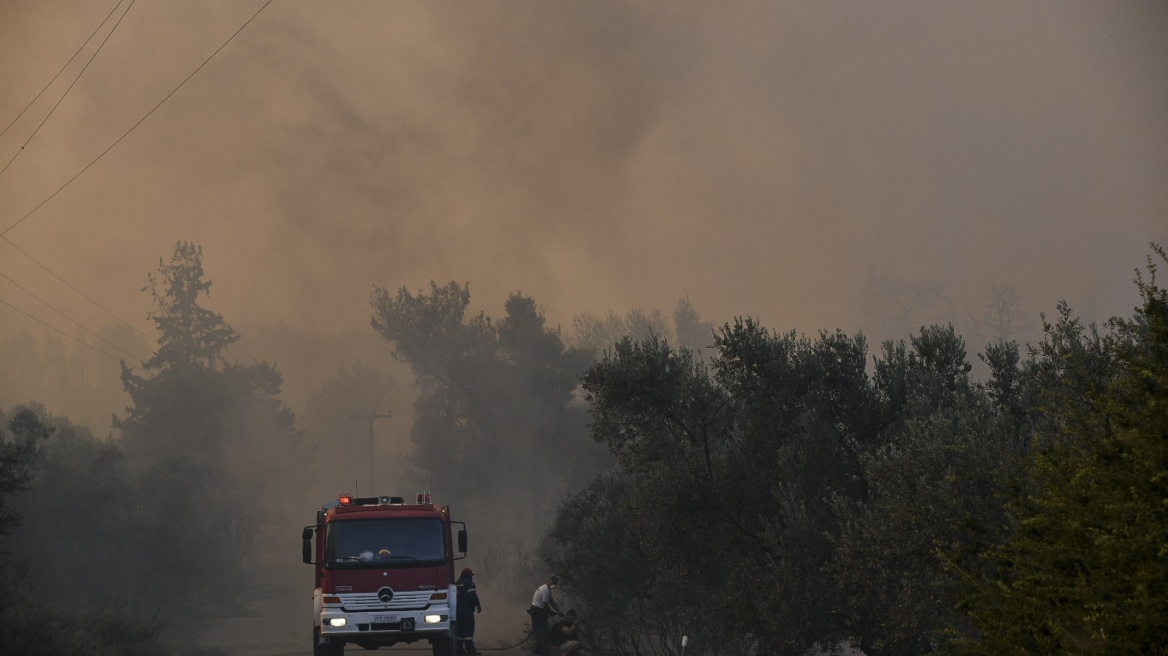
539,624
464,628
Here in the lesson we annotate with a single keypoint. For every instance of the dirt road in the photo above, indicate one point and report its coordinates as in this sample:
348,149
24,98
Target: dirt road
282,626
399,651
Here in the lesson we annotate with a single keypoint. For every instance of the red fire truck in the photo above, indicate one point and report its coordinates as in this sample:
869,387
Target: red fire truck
384,573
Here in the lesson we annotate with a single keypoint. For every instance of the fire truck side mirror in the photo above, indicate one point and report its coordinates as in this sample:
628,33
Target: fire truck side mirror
306,544
462,541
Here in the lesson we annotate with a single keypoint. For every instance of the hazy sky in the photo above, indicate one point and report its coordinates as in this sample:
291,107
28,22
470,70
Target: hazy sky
761,157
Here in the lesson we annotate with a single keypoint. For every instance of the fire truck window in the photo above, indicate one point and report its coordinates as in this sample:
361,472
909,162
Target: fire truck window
399,541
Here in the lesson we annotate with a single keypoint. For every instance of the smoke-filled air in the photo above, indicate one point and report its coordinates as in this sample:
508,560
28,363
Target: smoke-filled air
777,329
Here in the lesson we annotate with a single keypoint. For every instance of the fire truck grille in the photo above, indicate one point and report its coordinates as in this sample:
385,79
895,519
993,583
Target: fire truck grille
414,600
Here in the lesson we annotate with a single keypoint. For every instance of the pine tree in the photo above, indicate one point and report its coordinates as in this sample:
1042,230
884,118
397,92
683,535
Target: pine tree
189,334
198,430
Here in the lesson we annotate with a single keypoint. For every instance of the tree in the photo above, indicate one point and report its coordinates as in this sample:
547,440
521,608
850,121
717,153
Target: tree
595,334
664,420
495,399
55,601
805,411
726,470
999,320
17,460
190,335
634,606
808,503
198,429
797,503
83,483
447,355
430,331
1084,570
894,306
692,331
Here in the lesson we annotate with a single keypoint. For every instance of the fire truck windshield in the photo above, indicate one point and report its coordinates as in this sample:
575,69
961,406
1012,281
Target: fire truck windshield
384,542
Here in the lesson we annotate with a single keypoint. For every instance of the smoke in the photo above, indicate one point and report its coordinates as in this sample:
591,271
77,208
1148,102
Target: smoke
761,159
777,160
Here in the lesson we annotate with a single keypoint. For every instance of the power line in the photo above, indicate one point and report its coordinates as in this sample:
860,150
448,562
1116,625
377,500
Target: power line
119,139
70,319
70,286
71,85
42,91
72,337
94,161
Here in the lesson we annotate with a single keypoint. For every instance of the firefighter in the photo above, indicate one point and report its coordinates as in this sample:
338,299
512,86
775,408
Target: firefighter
542,606
468,605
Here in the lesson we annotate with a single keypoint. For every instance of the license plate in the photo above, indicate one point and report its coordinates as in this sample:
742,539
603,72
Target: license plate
380,619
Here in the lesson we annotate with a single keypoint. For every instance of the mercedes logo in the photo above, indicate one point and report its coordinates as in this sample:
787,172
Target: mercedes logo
385,594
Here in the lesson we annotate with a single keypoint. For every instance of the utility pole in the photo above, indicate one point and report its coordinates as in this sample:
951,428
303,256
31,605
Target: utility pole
373,417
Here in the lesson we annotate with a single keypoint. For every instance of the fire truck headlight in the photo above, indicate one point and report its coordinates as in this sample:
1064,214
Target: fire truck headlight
434,619
337,621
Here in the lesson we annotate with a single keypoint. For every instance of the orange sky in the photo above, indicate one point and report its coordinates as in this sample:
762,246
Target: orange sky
760,158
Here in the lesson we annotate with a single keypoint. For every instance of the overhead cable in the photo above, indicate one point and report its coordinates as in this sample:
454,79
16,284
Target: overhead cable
70,286
51,326
71,85
119,139
46,88
70,319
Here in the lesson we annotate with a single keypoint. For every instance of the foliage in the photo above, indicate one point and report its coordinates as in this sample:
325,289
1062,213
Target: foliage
725,472
779,500
17,460
1000,319
1085,570
691,330
28,623
430,331
197,430
497,419
936,474
600,334
33,628
83,483
592,545
935,501
190,335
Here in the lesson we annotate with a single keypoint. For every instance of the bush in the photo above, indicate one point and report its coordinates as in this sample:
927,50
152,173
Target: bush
33,628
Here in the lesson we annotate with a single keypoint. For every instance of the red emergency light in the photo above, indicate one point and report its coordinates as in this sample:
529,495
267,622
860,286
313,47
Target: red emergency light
423,497
346,499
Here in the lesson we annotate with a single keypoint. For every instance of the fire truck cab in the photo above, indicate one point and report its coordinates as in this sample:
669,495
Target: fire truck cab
384,573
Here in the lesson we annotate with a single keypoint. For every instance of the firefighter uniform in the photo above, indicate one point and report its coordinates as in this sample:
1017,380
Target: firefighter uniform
468,604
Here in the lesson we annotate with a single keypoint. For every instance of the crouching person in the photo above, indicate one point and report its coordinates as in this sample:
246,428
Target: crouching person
565,635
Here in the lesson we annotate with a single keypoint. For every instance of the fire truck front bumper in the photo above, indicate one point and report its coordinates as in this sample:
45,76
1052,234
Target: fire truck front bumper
394,626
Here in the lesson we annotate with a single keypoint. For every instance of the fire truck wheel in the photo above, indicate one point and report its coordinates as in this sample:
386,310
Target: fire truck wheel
328,648
443,646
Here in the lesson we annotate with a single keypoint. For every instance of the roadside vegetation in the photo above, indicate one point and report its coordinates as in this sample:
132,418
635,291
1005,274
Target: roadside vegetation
761,492
106,540
790,494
